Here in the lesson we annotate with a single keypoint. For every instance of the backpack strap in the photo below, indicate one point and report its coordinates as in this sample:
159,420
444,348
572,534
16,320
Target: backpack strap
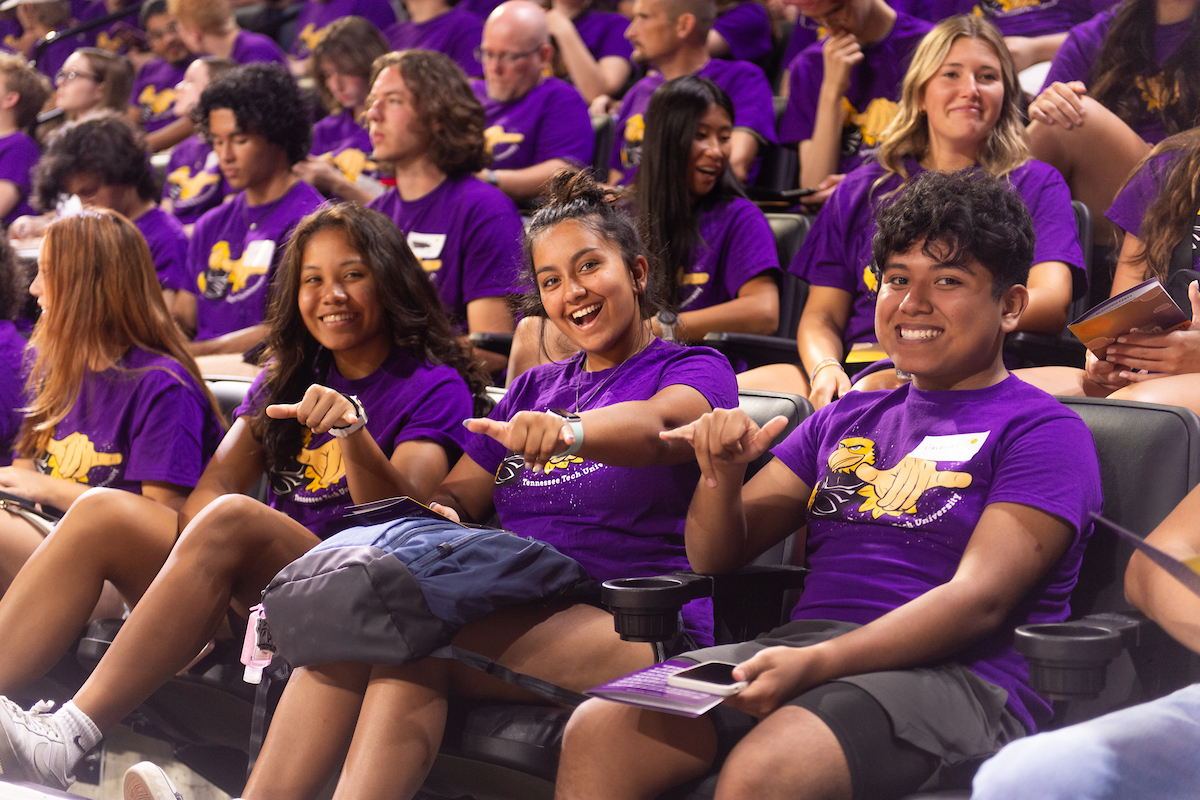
1183,256
536,685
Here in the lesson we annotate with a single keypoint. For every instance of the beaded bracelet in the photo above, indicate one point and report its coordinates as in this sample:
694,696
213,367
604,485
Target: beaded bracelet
822,364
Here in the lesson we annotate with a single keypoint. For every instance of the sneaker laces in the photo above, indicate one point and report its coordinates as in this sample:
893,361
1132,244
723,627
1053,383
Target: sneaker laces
36,718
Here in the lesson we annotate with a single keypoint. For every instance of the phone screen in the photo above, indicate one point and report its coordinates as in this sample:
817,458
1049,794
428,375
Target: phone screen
712,672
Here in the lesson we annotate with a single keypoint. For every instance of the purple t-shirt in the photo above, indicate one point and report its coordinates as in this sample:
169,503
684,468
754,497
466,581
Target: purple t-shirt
1077,57
480,8
871,100
147,420
736,245
455,33
340,140
232,257
603,32
194,181
468,236
746,27
615,521
747,87
168,246
254,48
1129,208
18,155
551,121
316,16
1009,443
12,388
154,93
1038,17
837,251
405,399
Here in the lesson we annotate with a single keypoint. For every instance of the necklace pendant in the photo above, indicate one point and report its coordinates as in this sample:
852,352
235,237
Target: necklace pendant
253,226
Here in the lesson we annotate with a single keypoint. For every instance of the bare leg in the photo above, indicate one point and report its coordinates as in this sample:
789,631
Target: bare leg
106,534
618,752
18,540
1171,390
787,378
231,550
1095,158
790,755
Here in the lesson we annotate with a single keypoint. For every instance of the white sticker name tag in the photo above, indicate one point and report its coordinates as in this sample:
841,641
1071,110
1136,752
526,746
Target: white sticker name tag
258,253
956,447
426,245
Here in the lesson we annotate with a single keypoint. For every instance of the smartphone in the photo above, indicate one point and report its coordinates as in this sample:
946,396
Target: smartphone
714,677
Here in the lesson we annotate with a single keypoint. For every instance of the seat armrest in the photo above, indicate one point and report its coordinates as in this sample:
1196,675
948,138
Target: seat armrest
492,342
1044,350
753,349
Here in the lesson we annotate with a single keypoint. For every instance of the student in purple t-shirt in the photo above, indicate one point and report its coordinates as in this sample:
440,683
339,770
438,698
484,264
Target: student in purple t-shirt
317,15
428,125
39,18
1035,30
101,159
115,399
958,110
12,351
741,31
1106,95
208,27
439,25
550,475
844,91
1157,213
671,38
340,163
152,102
258,126
935,518
18,152
194,183
536,125
363,399
591,48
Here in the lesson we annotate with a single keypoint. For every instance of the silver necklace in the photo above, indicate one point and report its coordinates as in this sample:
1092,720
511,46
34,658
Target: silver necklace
583,370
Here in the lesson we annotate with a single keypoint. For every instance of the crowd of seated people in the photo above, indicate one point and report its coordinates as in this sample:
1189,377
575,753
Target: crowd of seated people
334,210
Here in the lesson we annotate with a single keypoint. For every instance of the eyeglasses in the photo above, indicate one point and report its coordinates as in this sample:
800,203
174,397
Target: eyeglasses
484,56
162,33
64,75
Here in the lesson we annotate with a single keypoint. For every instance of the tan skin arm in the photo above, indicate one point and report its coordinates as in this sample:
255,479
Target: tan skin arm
1049,287
10,195
754,310
328,179
170,135
822,325
230,343
490,315
820,155
591,77
1029,50
1164,599
743,149
527,183
24,480
1129,273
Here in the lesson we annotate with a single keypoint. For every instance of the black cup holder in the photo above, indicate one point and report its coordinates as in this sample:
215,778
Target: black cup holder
1067,659
647,609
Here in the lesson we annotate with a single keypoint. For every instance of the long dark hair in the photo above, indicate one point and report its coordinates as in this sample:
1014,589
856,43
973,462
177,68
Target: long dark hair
411,310
1125,70
672,218
1172,214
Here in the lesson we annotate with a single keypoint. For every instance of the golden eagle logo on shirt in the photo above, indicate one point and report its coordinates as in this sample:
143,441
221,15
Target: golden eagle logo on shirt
191,185
495,135
227,275
994,8
512,469
893,492
865,128
351,162
1155,93
157,102
635,131
312,36
323,466
73,456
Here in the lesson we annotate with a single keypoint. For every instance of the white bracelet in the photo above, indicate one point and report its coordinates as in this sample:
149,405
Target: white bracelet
342,431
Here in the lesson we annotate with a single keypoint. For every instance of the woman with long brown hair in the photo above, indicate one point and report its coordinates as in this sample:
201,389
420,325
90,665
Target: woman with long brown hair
114,399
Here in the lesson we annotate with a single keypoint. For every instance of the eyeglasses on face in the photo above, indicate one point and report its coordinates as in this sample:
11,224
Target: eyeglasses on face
507,59
161,33
64,75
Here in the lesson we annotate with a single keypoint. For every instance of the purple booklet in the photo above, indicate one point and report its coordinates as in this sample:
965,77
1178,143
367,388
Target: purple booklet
647,688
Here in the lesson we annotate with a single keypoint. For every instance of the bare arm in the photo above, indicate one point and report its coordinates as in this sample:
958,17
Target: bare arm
490,315
1049,298
170,135
1129,273
231,343
233,469
23,480
822,325
1163,598
754,310
591,77
820,156
10,195
527,183
717,46
1029,50
743,151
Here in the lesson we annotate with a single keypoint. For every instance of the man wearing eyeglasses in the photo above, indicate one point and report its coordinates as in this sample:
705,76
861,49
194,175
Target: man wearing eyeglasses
536,125
153,96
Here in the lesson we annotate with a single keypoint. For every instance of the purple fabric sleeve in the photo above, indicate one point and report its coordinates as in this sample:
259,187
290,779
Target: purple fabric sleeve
316,17
746,28
251,48
1131,202
603,33
18,155
12,394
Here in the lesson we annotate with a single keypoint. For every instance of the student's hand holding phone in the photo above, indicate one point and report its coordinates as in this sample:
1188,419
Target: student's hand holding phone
725,440
775,676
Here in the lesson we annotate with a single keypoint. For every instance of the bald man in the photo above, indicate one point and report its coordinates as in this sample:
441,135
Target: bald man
670,39
537,125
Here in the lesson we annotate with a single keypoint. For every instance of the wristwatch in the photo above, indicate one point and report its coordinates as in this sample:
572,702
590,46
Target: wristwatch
576,423
667,320
341,432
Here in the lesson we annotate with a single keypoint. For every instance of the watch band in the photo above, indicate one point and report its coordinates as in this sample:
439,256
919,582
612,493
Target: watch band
341,432
667,320
576,423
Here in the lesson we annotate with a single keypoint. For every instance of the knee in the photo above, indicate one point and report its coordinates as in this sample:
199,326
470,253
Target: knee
221,524
595,726
99,514
755,772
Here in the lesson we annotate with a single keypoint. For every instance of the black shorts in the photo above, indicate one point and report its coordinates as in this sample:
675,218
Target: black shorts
901,730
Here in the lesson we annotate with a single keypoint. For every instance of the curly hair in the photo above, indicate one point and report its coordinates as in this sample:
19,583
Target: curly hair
17,76
443,99
1006,146
13,282
1172,214
671,217
411,309
575,195
956,217
105,144
1125,70
351,44
265,101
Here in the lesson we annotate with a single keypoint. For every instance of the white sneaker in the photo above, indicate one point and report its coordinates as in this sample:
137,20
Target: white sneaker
32,746
145,780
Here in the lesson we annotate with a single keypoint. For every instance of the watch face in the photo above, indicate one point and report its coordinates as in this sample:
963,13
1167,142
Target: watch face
562,412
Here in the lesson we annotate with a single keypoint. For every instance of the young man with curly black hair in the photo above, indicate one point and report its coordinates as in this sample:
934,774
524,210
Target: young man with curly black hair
259,127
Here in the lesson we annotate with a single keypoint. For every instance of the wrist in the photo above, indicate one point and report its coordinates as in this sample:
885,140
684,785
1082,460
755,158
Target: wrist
575,422
342,431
